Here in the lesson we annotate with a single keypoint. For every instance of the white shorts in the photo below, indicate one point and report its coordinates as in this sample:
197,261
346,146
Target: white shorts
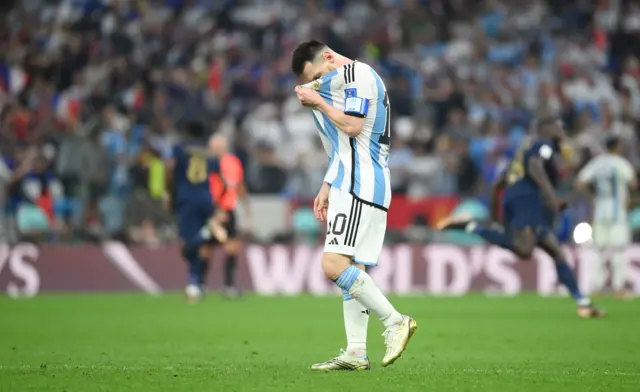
354,228
611,234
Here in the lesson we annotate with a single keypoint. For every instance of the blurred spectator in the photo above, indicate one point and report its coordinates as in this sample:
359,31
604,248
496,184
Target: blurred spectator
94,176
5,181
36,189
457,125
400,163
466,80
267,175
304,177
144,211
467,176
424,172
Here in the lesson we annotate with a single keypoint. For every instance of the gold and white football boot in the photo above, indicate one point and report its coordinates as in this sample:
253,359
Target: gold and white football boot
396,339
342,362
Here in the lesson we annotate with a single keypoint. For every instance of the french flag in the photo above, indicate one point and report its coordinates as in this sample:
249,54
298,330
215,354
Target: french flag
12,79
66,107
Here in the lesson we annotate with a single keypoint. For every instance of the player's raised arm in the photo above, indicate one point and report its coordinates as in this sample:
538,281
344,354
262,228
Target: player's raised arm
311,61
586,175
360,89
351,121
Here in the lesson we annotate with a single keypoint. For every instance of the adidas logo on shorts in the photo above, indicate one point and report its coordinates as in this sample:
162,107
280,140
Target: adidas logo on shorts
334,242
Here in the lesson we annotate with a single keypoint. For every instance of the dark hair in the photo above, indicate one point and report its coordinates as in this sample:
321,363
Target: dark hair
612,142
305,53
545,122
195,130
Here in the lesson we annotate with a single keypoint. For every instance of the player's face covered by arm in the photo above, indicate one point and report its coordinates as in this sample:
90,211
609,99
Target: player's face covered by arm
317,69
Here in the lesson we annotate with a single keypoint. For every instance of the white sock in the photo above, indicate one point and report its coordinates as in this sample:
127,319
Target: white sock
586,301
356,321
365,291
619,263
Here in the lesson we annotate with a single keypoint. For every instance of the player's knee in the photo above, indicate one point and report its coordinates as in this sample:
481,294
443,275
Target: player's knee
334,264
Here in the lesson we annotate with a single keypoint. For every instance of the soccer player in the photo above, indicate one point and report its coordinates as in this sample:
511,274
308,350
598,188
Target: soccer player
188,174
351,109
612,176
529,208
228,187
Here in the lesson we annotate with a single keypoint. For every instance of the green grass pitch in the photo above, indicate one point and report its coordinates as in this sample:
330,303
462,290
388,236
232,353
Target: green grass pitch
137,343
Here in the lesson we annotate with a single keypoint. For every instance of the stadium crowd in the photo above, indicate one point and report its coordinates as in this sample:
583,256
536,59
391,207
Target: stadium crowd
94,94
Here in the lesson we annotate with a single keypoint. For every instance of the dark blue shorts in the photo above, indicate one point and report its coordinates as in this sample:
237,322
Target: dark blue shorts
192,217
528,211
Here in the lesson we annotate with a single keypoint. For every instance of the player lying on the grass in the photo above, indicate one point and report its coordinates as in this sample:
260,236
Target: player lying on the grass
228,187
199,224
351,110
529,208
612,176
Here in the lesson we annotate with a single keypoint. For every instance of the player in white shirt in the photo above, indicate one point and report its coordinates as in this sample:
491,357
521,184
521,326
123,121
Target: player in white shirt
351,109
611,176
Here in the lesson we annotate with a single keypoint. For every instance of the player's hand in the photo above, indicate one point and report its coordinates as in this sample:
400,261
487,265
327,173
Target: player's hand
308,97
321,203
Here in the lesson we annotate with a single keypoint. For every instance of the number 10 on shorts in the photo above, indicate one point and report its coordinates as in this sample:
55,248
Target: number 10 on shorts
354,228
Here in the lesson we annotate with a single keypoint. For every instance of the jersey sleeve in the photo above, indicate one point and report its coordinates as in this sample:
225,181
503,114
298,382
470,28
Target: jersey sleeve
588,172
627,171
360,88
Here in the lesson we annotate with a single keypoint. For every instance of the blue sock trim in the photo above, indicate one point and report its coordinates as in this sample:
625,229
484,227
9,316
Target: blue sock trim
346,295
348,277
366,263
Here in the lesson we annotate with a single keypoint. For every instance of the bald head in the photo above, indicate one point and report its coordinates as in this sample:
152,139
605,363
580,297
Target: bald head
218,145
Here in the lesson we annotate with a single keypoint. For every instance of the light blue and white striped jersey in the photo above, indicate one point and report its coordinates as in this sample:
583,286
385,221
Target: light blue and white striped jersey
611,175
357,165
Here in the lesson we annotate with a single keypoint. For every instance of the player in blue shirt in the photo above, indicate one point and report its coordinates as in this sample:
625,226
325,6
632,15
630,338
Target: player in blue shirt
530,207
188,178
